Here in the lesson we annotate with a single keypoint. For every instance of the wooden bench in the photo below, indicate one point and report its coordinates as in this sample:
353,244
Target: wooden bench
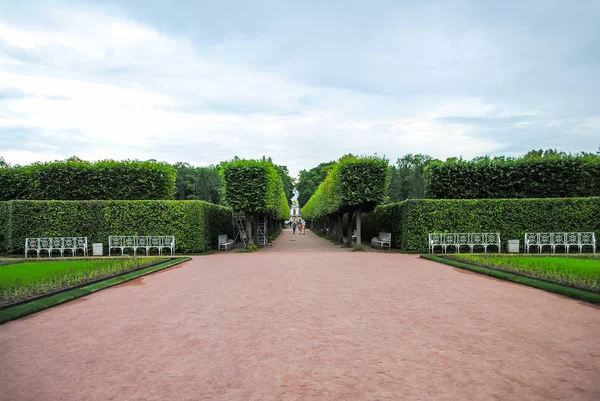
456,240
60,244
384,239
146,242
225,243
564,239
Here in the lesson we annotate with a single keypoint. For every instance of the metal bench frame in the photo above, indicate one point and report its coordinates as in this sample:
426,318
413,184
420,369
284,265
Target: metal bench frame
224,242
384,239
61,244
564,239
146,242
456,240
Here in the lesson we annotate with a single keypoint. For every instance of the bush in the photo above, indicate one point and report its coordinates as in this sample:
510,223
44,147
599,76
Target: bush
411,221
81,180
195,224
560,176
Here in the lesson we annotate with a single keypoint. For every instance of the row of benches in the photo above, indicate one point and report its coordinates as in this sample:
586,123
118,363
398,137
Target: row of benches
122,242
566,240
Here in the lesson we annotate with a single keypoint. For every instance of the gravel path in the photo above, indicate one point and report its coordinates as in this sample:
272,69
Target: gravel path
306,320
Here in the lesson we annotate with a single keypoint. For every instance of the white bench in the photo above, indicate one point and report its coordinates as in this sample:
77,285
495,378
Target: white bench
147,242
456,240
224,242
61,244
384,239
353,238
566,240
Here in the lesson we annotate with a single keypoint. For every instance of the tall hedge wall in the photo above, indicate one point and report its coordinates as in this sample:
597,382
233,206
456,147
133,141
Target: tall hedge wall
544,177
82,180
195,224
410,221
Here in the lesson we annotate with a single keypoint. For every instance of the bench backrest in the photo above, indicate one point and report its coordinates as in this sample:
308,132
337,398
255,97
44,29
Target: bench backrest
464,238
126,241
385,236
56,243
561,238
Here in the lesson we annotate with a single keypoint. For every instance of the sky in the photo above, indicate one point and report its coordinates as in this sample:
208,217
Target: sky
303,82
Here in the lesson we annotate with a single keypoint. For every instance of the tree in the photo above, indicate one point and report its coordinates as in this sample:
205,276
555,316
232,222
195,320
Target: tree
309,181
353,185
254,187
198,183
407,178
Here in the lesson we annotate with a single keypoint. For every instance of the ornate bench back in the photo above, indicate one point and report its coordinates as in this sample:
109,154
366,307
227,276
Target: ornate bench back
561,238
385,237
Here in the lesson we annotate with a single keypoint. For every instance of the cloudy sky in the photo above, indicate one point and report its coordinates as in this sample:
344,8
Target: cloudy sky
301,81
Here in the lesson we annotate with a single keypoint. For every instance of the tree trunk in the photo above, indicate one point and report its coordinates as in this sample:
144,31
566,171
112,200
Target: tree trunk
255,224
358,233
340,233
249,237
349,241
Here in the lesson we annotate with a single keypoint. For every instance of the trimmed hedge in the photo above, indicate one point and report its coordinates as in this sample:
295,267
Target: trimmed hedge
538,177
411,221
195,224
352,184
81,180
255,186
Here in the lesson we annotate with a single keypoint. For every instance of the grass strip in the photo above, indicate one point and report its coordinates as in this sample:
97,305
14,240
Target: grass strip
531,282
34,306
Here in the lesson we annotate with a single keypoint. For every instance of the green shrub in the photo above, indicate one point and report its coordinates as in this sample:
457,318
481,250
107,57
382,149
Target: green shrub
81,180
561,176
411,221
195,224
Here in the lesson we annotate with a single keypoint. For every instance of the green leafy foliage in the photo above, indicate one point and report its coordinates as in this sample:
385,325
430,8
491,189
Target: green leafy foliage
538,174
352,183
309,181
75,179
198,183
411,221
255,186
195,224
407,177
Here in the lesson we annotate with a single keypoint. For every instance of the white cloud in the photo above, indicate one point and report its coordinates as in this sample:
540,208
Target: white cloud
100,86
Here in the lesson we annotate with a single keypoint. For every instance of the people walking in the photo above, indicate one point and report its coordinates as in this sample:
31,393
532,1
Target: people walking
300,227
294,228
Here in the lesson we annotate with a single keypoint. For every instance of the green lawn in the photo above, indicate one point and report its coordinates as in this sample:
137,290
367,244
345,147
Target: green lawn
37,305
18,274
575,271
21,281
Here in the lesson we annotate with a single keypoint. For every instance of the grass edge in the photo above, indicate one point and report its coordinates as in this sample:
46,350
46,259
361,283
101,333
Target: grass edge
39,305
575,293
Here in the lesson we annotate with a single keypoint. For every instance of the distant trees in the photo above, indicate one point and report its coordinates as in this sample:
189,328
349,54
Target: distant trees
198,183
407,179
309,181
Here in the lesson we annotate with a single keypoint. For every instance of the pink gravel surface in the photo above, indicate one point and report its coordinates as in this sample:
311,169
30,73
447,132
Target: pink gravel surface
318,324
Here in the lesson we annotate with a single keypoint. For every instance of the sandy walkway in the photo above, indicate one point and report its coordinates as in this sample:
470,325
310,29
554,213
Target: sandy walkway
307,326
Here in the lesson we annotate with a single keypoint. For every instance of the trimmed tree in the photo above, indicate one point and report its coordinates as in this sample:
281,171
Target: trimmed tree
254,188
353,185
